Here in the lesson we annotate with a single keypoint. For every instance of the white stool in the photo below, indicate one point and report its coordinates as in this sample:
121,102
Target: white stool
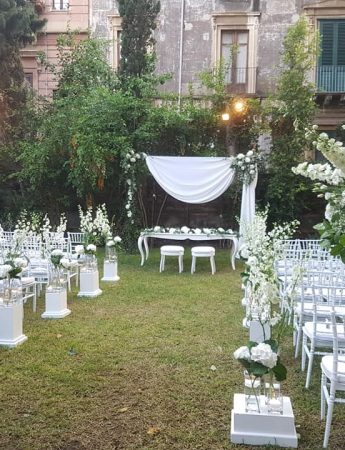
172,250
205,252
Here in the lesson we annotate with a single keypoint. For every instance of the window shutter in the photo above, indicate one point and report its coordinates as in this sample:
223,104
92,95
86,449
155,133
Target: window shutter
327,31
341,43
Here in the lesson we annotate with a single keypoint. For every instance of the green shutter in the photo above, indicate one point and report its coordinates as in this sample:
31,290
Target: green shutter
341,43
327,30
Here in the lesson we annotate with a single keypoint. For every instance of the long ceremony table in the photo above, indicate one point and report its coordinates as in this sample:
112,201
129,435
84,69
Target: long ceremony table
184,236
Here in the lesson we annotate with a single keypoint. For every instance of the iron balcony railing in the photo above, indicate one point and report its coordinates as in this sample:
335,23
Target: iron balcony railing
241,79
330,79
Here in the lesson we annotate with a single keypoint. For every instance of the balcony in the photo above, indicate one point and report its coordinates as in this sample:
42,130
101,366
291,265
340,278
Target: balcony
330,79
241,80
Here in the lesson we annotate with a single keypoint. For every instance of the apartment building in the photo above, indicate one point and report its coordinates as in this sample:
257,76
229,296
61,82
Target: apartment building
192,35
61,15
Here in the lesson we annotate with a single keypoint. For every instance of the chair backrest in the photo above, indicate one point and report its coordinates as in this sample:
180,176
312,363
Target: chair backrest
75,239
338,331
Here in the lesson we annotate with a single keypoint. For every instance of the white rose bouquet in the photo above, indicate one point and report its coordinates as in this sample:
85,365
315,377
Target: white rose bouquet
261,358
246,166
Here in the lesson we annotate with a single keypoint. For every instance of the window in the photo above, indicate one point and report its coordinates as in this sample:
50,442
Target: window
29,79
331,66
60,5
235,40
234,52
329,17
115,50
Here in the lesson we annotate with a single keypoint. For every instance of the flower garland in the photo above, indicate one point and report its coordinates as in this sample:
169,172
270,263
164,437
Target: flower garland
130,166
187,230
246,166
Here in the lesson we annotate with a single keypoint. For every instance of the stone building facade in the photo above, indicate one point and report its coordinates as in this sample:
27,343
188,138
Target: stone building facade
192,35
61,15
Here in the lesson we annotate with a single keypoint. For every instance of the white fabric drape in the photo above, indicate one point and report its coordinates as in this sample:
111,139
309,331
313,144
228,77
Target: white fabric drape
247,206
200,180
192,179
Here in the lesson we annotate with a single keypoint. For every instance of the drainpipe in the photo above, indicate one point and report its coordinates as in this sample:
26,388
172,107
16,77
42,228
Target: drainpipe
181,55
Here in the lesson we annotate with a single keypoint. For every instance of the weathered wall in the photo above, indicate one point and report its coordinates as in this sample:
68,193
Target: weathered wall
275,18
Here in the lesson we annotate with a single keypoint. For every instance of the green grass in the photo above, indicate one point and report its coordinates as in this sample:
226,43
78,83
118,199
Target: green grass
131,369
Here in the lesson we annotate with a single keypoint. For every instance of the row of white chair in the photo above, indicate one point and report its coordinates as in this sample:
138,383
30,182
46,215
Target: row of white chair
317,312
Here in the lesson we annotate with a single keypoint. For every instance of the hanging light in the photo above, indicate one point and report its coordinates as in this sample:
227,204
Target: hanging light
239,105
225,116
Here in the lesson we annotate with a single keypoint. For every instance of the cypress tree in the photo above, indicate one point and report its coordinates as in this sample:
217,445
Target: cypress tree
137,42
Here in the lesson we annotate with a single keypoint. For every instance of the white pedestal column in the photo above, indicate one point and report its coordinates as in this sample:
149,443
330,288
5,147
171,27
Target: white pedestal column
110,271
56,304
11,324
263,428
89,284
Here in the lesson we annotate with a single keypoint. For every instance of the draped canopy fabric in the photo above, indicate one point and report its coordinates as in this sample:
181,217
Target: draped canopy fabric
200,180
192,179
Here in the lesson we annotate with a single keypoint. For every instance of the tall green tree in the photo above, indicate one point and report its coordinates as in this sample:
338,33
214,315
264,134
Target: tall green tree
137,42
292,110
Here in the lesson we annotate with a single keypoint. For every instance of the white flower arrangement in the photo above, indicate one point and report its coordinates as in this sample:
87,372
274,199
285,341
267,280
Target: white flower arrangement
91,249
261,358
329,181
79,250
246,166
187,230
114,241
98,229
260,253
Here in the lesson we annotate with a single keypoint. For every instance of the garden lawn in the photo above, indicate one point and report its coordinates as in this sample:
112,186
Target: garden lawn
147,365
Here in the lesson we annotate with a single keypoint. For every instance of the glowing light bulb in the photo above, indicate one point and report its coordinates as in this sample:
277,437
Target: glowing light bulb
239,106
225,116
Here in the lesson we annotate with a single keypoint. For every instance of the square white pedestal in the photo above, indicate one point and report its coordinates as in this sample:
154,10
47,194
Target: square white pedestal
11,324
263,428
89,284
110,271
56,305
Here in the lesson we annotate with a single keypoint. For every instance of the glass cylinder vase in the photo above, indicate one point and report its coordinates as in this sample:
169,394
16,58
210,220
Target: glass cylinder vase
11,290
252,392
89,263
110,253
57,279
273,396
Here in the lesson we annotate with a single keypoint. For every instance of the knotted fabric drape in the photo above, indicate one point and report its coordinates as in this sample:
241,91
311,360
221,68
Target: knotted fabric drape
192,179
200,180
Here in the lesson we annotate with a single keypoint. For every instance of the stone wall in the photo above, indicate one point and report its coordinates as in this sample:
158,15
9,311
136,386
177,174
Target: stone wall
198,35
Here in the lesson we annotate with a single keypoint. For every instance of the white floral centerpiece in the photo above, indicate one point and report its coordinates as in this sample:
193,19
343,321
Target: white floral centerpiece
246,166
260,360
10,272
96,229
188,230
111,248
329,181
260,278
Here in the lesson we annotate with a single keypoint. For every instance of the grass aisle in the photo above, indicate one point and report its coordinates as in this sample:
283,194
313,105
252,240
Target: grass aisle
131,369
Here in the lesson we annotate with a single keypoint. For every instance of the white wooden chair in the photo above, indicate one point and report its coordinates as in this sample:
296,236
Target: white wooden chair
317,335
333,374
